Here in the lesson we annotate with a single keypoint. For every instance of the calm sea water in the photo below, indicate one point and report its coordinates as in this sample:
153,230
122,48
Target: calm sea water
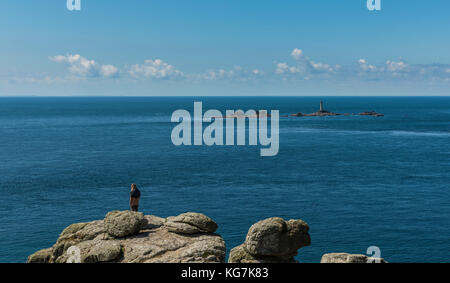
358,181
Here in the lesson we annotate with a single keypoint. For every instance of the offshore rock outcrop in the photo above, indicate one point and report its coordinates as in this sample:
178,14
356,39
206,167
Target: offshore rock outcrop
371,113
315,114
322,112
131,237
272,240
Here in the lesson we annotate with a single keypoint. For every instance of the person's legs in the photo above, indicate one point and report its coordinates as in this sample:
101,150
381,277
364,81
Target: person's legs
134,208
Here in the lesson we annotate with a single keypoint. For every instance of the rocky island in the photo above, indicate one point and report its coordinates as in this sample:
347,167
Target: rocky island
132,237
322,112
371,113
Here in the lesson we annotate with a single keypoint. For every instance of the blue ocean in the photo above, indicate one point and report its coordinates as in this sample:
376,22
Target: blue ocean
358,181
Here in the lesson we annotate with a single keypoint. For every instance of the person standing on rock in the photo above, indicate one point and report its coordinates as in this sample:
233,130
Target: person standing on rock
135,196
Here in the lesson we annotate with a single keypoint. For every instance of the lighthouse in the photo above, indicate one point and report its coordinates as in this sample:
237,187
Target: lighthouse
321,106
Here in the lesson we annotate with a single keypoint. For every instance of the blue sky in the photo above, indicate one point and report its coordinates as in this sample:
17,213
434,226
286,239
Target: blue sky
224,47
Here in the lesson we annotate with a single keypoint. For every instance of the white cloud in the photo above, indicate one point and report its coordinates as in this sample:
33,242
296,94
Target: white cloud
236,73
304,67
256,71
301,67
321,67
219,74
393,66
109,71
154,69
297,53
81,67
365,66
389,67
402,70
282,68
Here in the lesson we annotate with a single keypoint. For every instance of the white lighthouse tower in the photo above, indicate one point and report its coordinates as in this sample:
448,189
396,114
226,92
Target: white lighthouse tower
321,106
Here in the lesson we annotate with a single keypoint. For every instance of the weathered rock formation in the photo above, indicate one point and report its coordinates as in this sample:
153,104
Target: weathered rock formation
132,237
349,258
42,256
272,240
125,236
119,224
190,223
